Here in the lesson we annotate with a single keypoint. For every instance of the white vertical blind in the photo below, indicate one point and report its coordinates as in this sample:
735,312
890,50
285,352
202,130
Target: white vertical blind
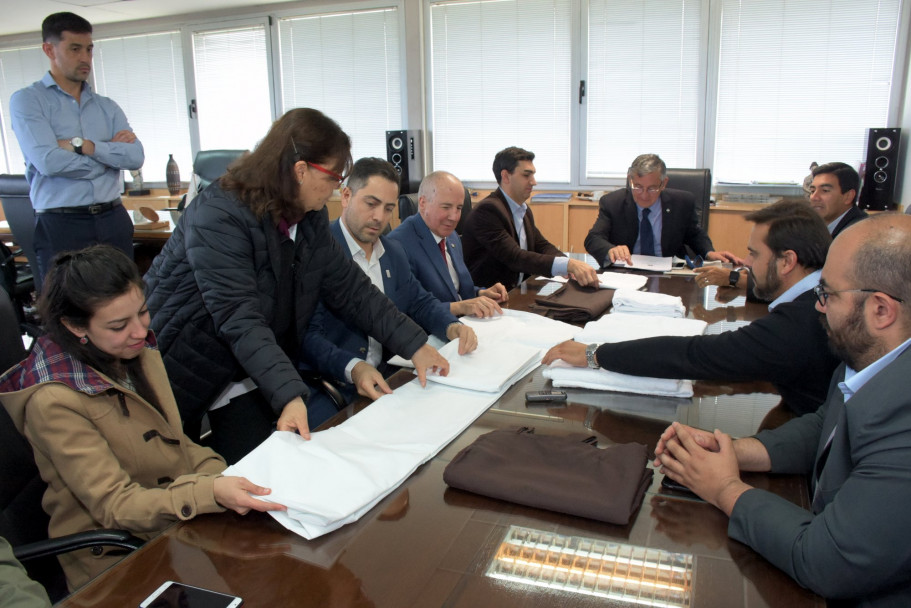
346,65
144,75
643,83
18,68
501,76
800,82
232,87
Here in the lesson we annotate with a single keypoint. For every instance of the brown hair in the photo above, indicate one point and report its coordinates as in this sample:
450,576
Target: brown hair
265,181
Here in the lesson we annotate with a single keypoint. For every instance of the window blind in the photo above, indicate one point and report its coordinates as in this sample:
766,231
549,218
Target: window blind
232,87
18,68
144,75
346,65
643,83
501,76
800,82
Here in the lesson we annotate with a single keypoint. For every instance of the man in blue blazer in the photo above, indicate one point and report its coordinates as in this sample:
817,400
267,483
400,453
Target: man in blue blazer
854,544
341,351
833,193
648,218
435,250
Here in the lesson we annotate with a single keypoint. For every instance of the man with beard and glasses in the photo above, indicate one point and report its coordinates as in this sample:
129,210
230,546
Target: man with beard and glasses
854,545
787,247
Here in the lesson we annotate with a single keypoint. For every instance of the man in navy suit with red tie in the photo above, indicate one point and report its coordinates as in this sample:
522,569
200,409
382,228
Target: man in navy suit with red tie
435,250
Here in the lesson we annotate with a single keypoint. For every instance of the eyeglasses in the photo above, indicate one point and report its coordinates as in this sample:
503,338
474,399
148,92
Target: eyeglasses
640,189
822,295
328,172
338,178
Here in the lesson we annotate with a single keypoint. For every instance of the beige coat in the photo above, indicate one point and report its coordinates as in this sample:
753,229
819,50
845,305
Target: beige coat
110,459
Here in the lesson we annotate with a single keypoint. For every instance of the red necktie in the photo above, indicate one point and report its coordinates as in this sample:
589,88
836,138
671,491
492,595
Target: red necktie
442,244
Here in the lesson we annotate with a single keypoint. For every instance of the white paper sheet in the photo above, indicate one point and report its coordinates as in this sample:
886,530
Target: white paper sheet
647,262
614,280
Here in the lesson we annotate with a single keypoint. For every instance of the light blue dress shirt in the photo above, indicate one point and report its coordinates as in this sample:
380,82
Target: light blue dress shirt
41,114
654,218
805,284
560,265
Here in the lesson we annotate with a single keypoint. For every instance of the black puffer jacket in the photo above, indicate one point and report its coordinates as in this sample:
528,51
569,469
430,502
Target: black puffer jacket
211,293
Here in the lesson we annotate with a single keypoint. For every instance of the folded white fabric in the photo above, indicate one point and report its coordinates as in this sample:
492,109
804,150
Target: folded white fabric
523,328
512,327
621,280
491,368
601,379
620,327
342,472
648,303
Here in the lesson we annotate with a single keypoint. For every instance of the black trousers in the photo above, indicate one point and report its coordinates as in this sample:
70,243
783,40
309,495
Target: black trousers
241,425
56,232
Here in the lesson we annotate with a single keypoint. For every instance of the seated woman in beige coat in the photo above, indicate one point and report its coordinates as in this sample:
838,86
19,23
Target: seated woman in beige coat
94,401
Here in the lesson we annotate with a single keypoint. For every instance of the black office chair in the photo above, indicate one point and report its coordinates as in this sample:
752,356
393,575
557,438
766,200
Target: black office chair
699,183
212,164
17,207
466,209
408,206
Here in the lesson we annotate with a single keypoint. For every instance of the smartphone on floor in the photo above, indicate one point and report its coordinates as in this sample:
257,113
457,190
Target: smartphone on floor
178,595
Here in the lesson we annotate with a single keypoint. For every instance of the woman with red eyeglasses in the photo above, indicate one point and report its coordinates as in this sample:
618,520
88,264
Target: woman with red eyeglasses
233,290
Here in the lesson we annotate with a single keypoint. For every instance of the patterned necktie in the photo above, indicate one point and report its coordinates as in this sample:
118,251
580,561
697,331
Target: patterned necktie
442,244
646,238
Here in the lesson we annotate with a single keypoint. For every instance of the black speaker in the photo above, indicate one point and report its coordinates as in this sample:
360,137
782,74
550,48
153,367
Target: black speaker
880,169
403,150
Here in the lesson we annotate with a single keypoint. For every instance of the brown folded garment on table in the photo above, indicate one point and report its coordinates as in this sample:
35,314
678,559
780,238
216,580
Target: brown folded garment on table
573,303
561,474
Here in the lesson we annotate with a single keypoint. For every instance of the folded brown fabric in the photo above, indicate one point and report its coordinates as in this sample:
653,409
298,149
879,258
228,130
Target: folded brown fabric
561,474
573,303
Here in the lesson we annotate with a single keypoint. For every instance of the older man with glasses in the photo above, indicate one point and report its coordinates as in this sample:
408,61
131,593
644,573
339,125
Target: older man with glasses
648,218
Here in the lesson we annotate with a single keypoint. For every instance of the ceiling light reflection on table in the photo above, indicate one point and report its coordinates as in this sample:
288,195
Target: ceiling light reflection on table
647,577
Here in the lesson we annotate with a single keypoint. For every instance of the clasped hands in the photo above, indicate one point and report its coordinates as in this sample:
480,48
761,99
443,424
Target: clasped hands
704,462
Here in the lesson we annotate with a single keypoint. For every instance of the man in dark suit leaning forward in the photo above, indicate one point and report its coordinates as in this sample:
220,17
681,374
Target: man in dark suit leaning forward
787,347
335,348
502,243
648,218
435,250
854,544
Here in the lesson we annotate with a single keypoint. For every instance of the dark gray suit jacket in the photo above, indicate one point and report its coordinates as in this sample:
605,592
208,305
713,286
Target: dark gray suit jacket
618,224
857,546
854,215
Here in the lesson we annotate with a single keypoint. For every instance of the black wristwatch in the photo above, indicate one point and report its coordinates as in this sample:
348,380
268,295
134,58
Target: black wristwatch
734,278
77,144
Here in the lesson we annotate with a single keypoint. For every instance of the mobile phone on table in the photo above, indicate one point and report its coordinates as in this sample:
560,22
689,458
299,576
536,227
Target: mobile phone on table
669,484
545,396
178,595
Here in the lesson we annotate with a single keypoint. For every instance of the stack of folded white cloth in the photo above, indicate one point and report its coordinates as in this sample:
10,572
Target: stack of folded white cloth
564,376
621,280
491,368
648,303
619,327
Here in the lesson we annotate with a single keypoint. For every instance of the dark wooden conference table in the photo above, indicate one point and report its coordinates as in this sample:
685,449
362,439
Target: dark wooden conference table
428,545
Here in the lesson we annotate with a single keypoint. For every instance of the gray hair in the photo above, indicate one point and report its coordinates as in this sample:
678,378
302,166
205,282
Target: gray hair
432,181
646,164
